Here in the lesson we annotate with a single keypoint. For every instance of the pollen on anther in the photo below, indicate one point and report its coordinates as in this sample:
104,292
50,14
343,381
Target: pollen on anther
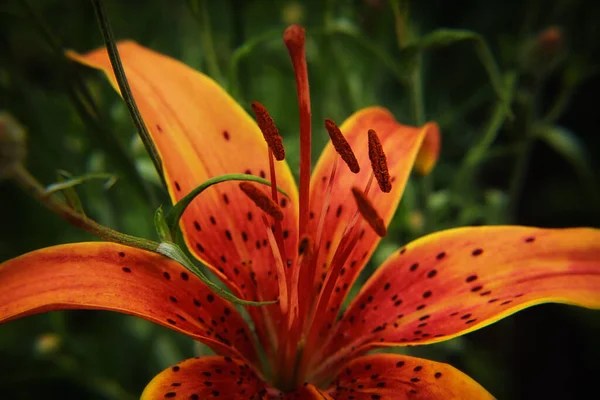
379,162
368,212
269,130
342,146
262,200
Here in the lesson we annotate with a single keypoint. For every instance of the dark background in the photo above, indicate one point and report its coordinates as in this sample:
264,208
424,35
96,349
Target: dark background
547,352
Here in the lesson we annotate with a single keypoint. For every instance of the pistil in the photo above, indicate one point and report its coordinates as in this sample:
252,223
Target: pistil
295,40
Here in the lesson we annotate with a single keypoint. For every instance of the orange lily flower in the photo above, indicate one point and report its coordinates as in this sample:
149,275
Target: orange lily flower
435,288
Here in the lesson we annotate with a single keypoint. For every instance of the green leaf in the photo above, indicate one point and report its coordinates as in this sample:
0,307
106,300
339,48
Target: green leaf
174,252
174,215
446,37
124,88
67,181
162,229
567,144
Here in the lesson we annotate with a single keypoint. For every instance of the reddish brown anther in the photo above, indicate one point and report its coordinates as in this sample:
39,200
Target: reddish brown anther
368,212
342,146
269,130
262,200
379,162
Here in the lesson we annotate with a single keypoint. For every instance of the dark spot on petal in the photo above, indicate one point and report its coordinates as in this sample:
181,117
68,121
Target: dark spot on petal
414,267
226,135
210,298
185,276
427,294
400,364
262,174
387,286
530,239
477,252
225,198
438,375
476,288
200,248
166,275
197,226
432,273
177,186
125,269
121,254
441,255
471,278
213,220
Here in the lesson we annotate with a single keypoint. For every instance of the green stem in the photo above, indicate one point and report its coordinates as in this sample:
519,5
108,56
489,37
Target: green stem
117,65
31,185
200,9
478,152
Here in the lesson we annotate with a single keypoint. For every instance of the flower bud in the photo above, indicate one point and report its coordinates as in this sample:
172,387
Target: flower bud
540,55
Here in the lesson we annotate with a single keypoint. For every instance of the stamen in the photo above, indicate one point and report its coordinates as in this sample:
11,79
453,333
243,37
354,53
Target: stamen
269,130
294,38
262,200
379,162
342,146
368,212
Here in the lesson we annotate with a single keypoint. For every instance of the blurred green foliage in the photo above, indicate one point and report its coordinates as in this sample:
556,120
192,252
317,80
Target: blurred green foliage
509,82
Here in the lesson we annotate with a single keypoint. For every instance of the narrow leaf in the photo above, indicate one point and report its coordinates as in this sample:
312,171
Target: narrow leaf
174,215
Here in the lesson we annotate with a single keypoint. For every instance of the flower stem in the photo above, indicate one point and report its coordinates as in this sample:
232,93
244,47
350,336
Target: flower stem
33,187
200,10
478,152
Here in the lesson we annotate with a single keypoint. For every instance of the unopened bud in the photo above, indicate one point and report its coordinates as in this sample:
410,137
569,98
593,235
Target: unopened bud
12,144
542,54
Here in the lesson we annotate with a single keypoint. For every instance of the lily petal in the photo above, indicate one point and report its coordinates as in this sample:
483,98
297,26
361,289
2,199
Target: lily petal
109,276
455,281
391,376
207,378
201,132
402,144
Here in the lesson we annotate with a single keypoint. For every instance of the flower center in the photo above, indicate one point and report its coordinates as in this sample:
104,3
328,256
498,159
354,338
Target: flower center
298,339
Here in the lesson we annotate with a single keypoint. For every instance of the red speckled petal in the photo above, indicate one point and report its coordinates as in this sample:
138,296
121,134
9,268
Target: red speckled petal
201,132
393,377
212,377
402,144
108,276
455,281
